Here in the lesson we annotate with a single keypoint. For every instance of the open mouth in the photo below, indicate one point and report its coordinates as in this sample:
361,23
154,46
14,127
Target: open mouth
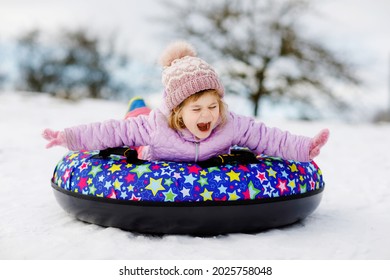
204,126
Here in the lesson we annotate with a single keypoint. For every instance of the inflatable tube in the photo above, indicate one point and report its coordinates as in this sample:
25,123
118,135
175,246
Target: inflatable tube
158,197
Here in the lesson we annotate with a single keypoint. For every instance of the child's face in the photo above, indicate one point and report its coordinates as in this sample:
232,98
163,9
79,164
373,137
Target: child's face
201,116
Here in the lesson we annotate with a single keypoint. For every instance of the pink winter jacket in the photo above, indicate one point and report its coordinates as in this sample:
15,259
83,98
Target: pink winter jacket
171,145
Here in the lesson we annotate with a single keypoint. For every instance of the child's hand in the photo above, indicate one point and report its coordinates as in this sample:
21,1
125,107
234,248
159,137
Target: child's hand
318,142
55,138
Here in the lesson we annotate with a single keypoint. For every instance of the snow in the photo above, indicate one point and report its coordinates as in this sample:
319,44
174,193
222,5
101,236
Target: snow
351,222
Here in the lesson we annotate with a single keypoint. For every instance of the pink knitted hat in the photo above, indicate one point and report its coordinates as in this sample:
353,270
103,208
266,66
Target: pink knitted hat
185,74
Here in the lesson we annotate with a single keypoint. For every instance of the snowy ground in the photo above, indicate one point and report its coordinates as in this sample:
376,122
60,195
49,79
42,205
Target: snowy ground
352,221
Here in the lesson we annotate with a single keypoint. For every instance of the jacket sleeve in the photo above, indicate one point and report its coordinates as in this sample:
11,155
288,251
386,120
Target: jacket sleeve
270,141
109,134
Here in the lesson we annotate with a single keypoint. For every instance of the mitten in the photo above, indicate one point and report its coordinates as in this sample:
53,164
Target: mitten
55,138
318,142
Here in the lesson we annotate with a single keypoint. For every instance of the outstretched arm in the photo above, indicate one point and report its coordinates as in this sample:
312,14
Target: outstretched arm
275,142
97,136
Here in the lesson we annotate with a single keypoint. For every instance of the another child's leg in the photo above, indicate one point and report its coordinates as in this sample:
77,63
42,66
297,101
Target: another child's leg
137,107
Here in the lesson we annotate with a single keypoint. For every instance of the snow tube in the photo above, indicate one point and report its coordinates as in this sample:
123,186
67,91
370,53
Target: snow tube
239,192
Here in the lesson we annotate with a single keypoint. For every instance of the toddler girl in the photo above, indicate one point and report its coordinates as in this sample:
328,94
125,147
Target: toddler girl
192,125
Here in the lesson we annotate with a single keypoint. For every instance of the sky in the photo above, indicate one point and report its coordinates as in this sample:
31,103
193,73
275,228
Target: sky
357,29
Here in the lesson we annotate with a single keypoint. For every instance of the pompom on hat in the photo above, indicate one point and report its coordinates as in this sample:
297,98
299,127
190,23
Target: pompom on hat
185,74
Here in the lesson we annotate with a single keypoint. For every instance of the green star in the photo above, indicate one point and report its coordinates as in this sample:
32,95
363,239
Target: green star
168,182
95,170
92,190
303,188
141,169
202,181
211,169
252,190
169,195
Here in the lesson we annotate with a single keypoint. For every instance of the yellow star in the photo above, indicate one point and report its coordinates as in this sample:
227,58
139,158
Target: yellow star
206,195
203,172
73,155
291,184
233,176
233,196
115,167
117,184
155,186
271,172
293,168
89,181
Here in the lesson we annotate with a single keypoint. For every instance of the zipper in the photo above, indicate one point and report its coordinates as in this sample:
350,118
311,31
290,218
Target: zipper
196,151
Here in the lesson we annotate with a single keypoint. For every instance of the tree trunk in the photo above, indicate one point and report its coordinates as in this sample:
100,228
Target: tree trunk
261,90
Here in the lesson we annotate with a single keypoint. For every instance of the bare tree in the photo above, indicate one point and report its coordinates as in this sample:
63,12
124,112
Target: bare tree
74,65
258,44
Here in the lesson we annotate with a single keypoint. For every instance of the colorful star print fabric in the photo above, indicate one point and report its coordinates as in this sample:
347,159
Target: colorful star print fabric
163,181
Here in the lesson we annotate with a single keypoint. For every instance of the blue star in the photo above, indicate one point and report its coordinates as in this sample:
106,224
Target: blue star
123,195
185,192
268,190
166,170
107,185
190,179
222,189
217,178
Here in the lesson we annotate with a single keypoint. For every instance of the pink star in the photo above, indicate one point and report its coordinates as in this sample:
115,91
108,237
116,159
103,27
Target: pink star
83,166
301,170
282,186
66,175
246,194
261,176
156,167
133,197
130,178
112,194
83,182
312,184
194,169
243,168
